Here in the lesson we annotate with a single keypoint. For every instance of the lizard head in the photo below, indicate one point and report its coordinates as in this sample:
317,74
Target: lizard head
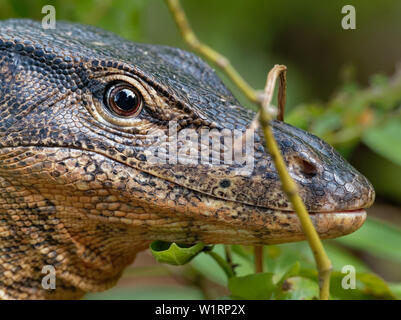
106,145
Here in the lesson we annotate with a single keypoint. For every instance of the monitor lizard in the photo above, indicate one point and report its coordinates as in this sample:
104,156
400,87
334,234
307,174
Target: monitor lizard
81,108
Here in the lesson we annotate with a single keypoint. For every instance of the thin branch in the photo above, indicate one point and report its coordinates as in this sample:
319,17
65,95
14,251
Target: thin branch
282,96
258,252
210,54
229,259
289,187
222,263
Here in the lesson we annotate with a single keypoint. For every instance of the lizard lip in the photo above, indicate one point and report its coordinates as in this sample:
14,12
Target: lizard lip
354,211
284,226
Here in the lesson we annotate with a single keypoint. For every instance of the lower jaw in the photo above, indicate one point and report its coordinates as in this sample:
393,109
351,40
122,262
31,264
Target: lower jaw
341,222
330,224
283,227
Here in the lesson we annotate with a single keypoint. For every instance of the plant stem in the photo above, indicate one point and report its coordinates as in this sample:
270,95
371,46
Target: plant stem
289,187
258,252
229,259
210,54
222,263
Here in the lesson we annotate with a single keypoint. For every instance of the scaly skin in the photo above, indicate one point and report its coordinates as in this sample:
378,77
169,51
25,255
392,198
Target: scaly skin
78,190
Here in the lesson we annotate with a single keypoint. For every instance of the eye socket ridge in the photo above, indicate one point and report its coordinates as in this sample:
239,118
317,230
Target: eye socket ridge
123,100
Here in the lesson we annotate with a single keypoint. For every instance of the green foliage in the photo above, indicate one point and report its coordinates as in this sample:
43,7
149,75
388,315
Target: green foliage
256,286
368,286
396,289
371,116
385,140
292,274
259,286
255,35
121,16
377,238
175,254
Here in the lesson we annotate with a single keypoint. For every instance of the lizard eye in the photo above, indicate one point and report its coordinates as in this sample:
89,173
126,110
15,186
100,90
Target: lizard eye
123,100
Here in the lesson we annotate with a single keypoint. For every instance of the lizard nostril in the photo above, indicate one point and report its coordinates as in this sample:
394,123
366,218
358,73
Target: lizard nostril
306,168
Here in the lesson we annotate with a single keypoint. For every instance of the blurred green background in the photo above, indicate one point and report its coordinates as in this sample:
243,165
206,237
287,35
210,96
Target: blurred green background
343,85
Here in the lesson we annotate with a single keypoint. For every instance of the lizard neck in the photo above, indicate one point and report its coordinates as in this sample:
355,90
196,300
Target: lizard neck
35,231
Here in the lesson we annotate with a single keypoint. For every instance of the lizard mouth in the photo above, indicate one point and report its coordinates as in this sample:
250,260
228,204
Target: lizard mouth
230,222
172,212
274,227
353,211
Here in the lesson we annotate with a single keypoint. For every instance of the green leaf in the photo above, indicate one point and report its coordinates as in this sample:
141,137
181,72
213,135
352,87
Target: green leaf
292,271
396,289
328,122
366,238
374,285
257,286
206,265
291,253
297,288
279,257
385,140
223,264
175,254
368,286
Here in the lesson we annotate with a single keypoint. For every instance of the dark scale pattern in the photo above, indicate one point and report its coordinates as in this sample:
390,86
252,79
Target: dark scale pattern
78,189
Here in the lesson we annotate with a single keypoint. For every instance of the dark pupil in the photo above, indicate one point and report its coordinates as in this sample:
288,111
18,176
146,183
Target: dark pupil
126,100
